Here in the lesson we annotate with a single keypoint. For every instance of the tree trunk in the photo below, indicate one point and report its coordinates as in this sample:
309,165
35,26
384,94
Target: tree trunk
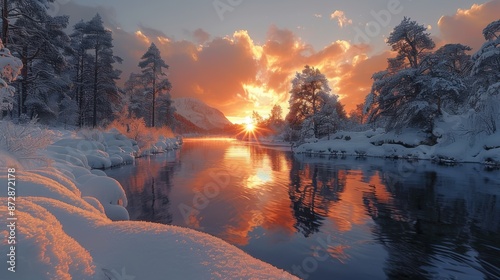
315,111
94,120
5,22
79,91
24,84
154,96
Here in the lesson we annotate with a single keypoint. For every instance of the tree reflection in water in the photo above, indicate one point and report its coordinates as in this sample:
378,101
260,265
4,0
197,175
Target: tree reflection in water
417,222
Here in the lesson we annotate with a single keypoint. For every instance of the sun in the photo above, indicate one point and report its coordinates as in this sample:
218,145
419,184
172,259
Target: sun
249,130
249,124
249,127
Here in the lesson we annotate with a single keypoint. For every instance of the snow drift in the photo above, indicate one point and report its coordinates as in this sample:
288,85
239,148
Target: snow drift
72,224
453,145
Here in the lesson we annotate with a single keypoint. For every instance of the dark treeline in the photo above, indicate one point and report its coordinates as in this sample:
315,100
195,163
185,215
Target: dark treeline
71,78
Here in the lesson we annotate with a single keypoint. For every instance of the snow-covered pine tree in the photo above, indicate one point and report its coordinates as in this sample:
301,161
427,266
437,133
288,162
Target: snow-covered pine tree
38,39
486,66
156,82
485,98
306,100
135,96
411,42
98,71
166,110
445,82
330,117
400,94
80,61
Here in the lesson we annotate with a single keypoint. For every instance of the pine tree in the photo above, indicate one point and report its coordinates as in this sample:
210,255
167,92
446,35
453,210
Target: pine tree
330,117
276,114
79,59
152,66
400,95
308,96
38,39
411,42
95,69
486,76
135,95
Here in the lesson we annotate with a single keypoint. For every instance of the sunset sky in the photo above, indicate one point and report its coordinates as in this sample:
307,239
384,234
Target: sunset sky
242,57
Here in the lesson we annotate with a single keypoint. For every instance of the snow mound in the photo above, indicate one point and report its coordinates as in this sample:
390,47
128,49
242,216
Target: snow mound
43,249
67,230
62,241
450,147
109,193
32,184
103,150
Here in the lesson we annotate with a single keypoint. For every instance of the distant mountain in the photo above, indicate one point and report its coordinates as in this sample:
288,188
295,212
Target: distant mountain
200,114
184,126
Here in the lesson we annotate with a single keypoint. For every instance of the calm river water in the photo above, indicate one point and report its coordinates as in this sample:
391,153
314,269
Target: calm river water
324,217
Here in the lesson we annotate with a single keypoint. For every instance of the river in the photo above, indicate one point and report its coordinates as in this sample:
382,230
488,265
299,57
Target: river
321,217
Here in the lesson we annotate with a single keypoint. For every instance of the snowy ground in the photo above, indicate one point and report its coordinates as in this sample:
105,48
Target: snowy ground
453,145
72,223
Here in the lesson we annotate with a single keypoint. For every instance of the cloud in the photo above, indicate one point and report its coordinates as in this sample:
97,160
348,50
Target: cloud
342,20
355,79
236,74
201,36
78,12
318,15
152,33
466,26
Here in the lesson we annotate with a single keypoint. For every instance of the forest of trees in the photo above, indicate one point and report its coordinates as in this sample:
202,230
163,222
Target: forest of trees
418,86
72,78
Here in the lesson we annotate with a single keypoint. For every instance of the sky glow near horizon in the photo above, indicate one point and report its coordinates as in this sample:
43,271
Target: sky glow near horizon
240,55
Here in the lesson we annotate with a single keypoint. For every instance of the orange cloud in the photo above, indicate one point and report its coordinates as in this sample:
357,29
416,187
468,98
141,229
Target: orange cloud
284,54
355,80
214,72
341,18
142,37
237,75
466,26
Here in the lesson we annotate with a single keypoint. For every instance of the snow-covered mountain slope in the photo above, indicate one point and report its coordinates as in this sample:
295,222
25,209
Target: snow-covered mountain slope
200,114
184,126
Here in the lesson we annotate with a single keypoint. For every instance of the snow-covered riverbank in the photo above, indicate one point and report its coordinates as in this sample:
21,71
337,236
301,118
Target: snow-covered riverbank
453,145
65,229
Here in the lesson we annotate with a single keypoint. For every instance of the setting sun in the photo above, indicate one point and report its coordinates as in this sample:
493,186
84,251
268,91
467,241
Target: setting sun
249,127
249,124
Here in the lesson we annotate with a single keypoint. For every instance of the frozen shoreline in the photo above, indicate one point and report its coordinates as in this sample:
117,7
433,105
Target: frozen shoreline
410,145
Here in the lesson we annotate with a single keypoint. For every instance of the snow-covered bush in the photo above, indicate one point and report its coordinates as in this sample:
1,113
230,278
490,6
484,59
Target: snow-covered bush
136,129
24,141
10,68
